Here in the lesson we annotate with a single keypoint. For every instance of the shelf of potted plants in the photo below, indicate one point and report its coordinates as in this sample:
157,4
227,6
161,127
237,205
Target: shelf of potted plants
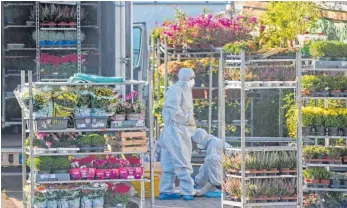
322,164
92,107
256,171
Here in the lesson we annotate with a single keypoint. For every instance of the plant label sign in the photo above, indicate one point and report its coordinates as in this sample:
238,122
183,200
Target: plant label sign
344,63
117,123
81,125
98,124
140,123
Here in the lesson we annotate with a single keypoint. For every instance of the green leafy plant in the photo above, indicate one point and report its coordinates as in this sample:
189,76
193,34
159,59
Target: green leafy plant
61,163
84,140
317,173
42,163
97,139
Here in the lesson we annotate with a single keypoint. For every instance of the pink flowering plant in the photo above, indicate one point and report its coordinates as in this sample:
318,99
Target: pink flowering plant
206,28
135,107
67,65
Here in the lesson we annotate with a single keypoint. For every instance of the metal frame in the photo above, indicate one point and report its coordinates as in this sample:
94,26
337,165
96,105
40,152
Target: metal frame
31,153
300,104
243,85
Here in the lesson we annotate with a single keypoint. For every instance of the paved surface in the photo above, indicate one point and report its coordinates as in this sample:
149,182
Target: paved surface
198,202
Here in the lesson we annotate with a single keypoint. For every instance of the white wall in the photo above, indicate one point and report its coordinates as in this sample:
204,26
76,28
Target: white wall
151,12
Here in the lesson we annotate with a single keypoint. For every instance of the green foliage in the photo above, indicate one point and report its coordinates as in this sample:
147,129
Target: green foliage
285,20
317,173
266,117
97,139
328,48
61,163
334,30
84,140
42,163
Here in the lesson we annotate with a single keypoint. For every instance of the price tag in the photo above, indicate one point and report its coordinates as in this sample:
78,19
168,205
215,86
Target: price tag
344,63
140,123
81,125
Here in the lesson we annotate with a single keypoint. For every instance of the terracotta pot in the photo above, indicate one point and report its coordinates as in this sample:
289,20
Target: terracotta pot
178,46
289,197
325,181
218,44
344,159
72,24
193,46
335,91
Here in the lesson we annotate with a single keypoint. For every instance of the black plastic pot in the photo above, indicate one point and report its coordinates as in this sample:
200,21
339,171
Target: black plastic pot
333,131
306,130
335,182
85,148
60,171
345,131
98,148
44,172
320,131
344,182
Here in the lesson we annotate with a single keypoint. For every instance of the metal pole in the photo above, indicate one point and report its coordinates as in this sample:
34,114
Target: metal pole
166,80
243,129
221,108
99,32
38,71
142,201
280,130
299,131
79,60
210,98
158,65
252,117
24,157
31,135
150,125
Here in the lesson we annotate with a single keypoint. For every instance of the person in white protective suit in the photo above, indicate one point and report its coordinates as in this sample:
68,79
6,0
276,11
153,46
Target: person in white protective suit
210,178
175,140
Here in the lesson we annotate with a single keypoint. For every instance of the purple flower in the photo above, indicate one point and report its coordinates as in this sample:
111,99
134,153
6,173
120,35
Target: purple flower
41,136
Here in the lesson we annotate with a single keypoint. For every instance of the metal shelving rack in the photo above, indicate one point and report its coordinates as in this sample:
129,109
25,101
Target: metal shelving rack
29,118
302,67
244,85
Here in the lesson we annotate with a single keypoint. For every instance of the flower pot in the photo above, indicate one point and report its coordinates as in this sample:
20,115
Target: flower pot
333,131
75,174
118,117
72,24
325,181
325,58
40,204
99,174
340,58
135,116
320,130
85,148
98,202
204,45
344,182
344,159
30,23
44,172
75,203
42,43
63,24
60,171
335,182
193,46
344,131
115,206
86,202
50,43
306,130
98,148
179,47
218,44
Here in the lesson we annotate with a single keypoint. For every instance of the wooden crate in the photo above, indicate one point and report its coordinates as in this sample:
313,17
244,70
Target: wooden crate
126,142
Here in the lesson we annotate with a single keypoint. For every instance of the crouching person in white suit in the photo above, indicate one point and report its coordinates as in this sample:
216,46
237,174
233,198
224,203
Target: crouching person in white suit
210,177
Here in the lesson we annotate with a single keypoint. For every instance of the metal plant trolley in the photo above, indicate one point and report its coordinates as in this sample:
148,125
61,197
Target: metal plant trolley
28,117
239,61
305,65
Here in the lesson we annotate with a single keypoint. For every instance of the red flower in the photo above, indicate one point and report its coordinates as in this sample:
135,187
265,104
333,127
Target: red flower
73,58
121,188
56,60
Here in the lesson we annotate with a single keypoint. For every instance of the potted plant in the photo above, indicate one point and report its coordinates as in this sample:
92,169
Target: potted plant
344,121
319,121
61,165
98,142
307,121
232,187
117,196
119,114
40,200
39,144
43,164
332,121
336,179
85,143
